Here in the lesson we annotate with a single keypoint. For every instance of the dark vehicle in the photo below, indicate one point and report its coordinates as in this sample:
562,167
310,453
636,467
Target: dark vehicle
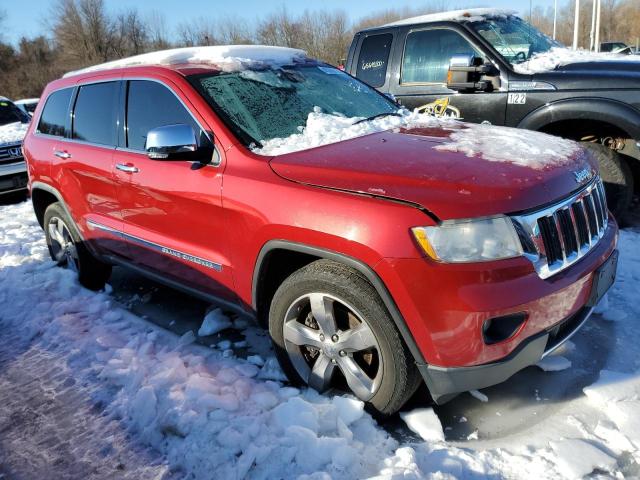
13,126
488,66
615,47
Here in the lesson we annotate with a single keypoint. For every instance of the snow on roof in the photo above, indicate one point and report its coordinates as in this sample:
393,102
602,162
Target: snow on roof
228,57
26,100
469,15
558,56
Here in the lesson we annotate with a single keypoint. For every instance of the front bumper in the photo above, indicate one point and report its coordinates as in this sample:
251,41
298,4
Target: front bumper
13,177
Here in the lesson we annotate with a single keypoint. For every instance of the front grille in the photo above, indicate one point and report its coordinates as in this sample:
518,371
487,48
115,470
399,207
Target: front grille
558,236
10,154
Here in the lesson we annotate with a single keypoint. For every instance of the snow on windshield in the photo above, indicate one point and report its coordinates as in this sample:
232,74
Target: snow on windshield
468,15
13,132
558,56
495,144
227,57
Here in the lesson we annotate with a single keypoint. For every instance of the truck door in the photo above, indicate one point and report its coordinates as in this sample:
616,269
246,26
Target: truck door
422,65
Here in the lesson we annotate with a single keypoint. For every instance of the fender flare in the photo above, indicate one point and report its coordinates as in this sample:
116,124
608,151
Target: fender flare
36,185
357,265
614,112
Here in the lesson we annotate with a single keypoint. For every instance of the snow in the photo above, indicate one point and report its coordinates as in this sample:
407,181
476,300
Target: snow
559,56
479,395
13,132
495,144
215,321
226,57
554,363
205,415
468,15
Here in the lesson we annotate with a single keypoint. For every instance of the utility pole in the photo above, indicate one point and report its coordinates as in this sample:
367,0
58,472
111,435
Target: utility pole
592,35
598,26
555,17
576,25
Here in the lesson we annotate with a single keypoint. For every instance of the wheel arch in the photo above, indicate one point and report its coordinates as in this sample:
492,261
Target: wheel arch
302,255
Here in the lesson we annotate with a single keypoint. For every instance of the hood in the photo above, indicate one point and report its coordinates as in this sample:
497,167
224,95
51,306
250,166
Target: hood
444,171
12,133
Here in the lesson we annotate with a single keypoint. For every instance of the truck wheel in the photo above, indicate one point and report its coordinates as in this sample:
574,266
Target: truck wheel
331,330
617,177
67,249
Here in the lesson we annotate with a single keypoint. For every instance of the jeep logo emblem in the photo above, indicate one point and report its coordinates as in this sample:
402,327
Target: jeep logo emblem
15,152
582,175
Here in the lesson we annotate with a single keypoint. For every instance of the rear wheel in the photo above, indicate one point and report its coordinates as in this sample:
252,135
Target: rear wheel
617,177
67,249
332,331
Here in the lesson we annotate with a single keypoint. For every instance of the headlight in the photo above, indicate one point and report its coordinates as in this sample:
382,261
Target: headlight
474,240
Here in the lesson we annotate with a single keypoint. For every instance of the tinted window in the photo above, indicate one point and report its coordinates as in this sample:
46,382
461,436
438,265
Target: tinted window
94,116
54,116
9,113
428,52
151,105
374,57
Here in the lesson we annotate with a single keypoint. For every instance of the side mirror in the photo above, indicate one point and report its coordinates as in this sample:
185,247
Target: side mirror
466,72
171,142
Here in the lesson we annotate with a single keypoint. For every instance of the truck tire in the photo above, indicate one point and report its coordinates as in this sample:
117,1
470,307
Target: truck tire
330,329
617,177
67,250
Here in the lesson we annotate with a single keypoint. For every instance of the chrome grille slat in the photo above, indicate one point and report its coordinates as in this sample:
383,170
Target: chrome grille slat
565,232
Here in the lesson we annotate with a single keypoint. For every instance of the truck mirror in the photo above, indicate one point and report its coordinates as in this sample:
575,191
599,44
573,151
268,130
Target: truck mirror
466,72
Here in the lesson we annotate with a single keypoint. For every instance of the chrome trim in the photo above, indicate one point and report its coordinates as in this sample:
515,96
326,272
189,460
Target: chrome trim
533,244
13,168
157,247
573,332
61,154
127,168
525,86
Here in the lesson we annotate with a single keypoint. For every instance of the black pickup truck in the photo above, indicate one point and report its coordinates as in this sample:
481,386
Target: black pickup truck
490,66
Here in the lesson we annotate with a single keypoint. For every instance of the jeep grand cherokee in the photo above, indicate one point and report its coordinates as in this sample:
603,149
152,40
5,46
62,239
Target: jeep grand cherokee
377,262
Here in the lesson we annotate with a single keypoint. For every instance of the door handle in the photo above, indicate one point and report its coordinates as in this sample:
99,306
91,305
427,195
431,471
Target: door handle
127,168
61,154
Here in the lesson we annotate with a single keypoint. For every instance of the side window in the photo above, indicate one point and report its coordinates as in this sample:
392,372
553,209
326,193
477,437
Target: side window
374,58
151,105
53,120
95,113
427,54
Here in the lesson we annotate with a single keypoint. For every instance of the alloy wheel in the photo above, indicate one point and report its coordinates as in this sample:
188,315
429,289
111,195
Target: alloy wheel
63,248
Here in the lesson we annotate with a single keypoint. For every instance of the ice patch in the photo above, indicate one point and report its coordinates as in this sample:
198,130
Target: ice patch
479,395
554,363
425,423
577,458
215,321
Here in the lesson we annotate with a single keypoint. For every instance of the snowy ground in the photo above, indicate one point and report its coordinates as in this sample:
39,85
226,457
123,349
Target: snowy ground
91,389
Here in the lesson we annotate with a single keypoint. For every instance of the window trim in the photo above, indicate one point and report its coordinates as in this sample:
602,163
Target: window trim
36,130
428,28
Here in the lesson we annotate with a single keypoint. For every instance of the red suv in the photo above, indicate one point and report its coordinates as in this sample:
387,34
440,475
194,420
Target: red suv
378,261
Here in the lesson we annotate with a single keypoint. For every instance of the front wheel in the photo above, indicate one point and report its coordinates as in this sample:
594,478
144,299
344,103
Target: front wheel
331,330
67,249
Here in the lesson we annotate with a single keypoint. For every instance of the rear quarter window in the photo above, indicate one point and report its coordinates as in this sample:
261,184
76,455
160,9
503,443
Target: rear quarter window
95,113
53,120
374,59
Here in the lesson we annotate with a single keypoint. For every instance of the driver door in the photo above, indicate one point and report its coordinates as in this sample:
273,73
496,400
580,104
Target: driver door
424,65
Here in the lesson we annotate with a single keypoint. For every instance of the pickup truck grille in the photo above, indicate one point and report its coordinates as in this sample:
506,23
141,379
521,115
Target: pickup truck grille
558,236
10,154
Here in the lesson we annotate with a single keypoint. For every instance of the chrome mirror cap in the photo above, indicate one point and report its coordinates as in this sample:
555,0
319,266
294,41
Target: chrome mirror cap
166,142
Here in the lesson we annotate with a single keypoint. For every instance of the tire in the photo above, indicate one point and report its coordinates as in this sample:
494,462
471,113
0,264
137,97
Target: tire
67,250
367,345
617,177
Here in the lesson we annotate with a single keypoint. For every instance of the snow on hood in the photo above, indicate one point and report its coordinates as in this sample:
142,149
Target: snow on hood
13,132
227,57
496,144
468,15
559,56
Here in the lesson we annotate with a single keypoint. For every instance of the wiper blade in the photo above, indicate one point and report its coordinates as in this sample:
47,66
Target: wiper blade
377,115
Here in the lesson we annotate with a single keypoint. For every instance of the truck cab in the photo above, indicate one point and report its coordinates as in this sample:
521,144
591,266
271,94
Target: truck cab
490,66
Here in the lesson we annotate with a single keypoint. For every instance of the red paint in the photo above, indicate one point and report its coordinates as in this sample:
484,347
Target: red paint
226,214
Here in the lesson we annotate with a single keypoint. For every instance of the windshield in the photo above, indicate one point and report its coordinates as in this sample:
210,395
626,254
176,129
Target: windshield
259,105
9,113
513,38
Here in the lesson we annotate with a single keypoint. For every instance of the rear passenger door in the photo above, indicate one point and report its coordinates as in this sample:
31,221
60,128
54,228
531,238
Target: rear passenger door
422,67
83,164
172,212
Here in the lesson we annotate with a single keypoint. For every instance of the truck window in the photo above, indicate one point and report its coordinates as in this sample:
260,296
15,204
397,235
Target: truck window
151,105
374,57
53,120
94,116
427,54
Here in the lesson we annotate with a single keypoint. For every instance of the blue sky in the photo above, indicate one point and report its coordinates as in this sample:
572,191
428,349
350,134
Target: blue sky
25,17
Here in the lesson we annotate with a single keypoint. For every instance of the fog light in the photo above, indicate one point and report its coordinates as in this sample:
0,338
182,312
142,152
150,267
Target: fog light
498,329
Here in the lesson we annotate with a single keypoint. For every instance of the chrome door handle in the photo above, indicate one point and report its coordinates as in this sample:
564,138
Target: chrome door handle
61,154
127,168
